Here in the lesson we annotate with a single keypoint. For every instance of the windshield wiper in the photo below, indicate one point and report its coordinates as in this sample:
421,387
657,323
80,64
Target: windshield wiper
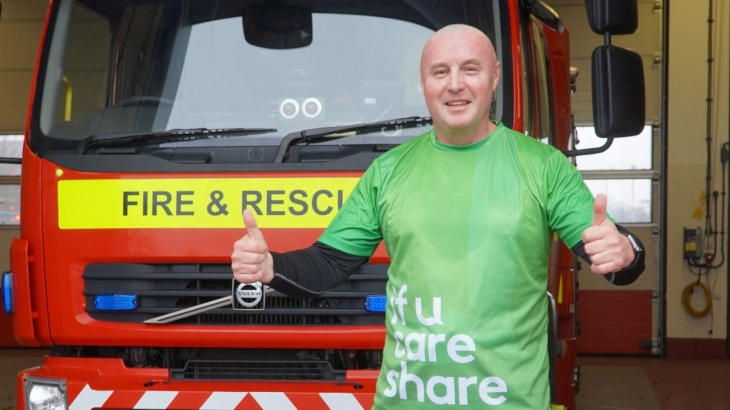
187,134
329,133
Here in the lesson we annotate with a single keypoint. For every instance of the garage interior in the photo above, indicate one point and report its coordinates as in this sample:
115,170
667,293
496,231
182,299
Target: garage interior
643,346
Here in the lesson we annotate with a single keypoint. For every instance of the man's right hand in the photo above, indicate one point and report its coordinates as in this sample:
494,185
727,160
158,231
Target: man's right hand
251,261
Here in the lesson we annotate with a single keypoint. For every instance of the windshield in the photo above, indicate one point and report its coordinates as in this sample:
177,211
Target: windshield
132,66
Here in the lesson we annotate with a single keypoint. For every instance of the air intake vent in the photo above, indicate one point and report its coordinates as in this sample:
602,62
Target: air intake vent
162,289
257,370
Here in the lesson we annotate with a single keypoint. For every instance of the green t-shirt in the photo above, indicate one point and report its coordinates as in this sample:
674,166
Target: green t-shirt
468,231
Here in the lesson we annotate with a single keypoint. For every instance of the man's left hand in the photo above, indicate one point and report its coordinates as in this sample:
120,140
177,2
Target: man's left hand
608,249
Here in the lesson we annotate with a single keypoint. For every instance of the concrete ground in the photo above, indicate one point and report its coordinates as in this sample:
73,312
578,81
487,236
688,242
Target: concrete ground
607,382
645,383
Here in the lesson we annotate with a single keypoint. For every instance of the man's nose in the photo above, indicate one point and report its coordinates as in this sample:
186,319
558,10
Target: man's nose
456,82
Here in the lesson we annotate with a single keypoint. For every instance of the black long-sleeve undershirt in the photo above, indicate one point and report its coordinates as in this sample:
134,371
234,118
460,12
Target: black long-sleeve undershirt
315,270
312,271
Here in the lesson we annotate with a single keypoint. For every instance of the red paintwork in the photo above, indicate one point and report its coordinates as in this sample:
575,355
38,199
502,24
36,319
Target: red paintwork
7,338
562,258
561,266
558,45
56,259
32,256
23,321
31,228
128,385
565,375
532,73
518,116
70,251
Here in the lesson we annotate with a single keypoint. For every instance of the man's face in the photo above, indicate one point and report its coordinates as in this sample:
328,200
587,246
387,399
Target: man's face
459,73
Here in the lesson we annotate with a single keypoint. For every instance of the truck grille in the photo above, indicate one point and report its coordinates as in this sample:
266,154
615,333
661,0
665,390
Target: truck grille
258,370
163,289
269,364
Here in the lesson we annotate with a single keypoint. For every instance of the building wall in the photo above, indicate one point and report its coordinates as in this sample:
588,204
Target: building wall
21,24
687,160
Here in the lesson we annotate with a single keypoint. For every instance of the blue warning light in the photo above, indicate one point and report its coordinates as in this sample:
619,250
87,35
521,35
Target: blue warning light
117,301
8,292
376,303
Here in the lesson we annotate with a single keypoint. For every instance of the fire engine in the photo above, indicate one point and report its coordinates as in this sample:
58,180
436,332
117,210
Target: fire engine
153,123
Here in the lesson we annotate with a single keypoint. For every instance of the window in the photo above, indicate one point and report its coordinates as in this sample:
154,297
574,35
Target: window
140,66
528,99
544,94
624,173
624,154
11,146
10,203
629,200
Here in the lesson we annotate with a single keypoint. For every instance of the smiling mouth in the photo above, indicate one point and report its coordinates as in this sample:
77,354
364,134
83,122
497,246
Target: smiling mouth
457,103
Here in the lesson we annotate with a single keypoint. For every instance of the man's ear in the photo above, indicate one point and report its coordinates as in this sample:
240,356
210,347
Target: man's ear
497,75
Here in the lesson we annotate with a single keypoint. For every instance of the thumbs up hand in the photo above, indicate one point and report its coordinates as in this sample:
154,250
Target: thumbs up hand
251,260
609,250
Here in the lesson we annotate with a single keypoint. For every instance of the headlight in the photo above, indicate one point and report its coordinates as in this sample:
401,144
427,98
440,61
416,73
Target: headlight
45,394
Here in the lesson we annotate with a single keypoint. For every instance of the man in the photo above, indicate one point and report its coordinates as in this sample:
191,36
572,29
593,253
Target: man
466,212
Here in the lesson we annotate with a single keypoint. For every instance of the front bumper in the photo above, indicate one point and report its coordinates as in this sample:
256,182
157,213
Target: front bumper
107,383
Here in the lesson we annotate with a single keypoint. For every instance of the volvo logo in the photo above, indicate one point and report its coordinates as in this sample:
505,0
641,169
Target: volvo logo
248,295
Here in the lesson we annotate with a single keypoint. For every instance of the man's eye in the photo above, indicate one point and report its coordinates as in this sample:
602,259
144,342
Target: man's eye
471,69
439,72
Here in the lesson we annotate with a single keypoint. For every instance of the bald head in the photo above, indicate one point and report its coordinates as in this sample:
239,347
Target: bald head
460,35
459,75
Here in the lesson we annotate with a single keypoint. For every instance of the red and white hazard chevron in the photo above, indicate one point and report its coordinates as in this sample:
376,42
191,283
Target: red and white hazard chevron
89,399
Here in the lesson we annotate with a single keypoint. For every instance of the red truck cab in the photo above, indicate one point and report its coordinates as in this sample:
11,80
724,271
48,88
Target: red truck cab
152,124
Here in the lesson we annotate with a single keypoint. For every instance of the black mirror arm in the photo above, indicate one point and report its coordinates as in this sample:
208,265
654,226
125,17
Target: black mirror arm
589,151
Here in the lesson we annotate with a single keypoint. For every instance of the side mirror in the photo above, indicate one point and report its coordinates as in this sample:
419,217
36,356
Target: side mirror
277,27
619,107
613,16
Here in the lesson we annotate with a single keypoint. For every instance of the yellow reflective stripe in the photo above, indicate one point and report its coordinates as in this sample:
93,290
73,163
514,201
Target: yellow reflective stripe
200,202
69,99
560,289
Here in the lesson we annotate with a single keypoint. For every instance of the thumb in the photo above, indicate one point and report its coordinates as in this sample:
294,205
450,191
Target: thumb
599,209
251,227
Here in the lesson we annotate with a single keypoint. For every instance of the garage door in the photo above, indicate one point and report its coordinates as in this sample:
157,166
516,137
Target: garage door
621,320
